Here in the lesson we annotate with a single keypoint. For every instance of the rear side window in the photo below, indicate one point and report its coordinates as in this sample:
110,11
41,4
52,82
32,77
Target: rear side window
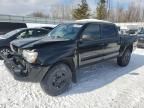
92,30
108,31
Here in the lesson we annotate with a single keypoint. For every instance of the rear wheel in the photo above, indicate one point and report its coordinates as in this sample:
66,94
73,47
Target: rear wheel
57,80
4,52
124,59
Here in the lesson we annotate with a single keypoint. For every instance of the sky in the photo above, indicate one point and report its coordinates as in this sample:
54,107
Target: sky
25,7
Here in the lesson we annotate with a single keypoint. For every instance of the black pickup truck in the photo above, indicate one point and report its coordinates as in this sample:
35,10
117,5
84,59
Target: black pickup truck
54,60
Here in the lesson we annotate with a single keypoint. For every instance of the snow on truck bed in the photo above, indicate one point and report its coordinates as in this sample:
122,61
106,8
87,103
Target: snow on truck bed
104,85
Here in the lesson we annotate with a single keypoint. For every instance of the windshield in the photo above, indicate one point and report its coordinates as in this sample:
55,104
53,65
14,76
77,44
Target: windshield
9,34
65,31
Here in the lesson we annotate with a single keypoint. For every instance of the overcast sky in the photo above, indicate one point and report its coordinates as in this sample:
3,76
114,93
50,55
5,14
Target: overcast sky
25,7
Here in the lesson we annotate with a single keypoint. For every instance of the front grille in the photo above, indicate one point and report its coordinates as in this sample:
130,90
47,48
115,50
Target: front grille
19,60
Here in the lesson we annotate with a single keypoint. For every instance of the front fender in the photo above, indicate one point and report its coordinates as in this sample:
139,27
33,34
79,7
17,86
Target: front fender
52,59
67,56
49,55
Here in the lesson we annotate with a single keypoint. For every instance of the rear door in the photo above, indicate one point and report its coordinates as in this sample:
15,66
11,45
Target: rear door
111,40
90,46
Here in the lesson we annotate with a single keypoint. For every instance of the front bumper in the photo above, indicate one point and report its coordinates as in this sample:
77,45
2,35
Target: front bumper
24,71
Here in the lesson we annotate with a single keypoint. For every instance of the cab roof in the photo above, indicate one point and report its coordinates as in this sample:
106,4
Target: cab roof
31,28
92,20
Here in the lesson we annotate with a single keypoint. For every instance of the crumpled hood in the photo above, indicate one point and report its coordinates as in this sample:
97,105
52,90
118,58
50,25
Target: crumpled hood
30,42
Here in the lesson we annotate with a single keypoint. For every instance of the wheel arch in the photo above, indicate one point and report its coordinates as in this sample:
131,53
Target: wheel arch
124,48
70,63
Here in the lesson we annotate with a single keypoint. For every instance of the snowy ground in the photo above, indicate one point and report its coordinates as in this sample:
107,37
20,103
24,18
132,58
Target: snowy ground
104,85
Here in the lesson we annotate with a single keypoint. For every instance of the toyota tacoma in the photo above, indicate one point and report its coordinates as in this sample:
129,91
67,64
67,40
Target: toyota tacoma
54,60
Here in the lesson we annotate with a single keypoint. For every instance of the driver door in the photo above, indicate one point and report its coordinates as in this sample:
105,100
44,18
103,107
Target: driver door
91,45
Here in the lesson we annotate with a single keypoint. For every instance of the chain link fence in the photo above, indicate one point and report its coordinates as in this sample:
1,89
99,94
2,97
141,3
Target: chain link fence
26,19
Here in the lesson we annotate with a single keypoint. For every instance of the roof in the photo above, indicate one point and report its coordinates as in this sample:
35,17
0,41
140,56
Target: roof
92,20
30,25
20,29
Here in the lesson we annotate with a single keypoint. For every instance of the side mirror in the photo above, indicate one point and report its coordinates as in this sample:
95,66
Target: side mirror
87,37
18,37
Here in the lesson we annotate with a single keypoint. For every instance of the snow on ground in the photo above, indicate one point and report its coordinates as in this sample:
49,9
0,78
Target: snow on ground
104,85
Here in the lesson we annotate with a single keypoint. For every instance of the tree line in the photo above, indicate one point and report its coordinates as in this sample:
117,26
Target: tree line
134,12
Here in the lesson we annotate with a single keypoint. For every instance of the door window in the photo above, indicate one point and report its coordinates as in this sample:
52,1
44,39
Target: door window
108,31
26,34
92,32
41,32
22,34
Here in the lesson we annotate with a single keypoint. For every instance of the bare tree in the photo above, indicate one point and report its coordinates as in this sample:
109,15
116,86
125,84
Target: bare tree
60,11
142,16
38,14
133,13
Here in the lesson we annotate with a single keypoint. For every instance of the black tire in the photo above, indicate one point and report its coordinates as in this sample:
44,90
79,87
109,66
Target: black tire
125,58
57,80
4,52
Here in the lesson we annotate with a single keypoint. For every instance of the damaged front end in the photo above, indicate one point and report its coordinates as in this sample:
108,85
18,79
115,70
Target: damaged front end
22,70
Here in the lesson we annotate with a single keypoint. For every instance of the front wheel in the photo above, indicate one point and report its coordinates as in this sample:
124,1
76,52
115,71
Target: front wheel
124,59
57,80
